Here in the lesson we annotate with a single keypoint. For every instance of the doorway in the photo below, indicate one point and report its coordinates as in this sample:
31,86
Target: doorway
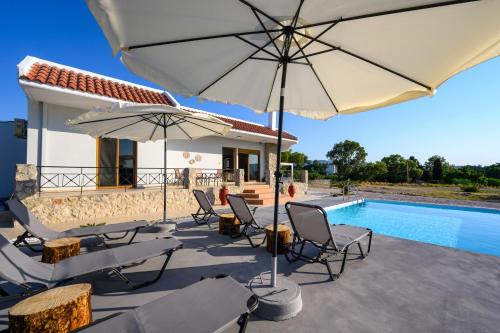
116,162
249,160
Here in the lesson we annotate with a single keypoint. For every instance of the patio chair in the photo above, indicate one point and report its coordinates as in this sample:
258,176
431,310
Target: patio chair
205,211
310,225
33,276
35,228
219,304
246,216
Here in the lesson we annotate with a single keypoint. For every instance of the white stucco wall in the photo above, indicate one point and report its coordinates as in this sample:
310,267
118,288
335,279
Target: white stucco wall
52,143
208,150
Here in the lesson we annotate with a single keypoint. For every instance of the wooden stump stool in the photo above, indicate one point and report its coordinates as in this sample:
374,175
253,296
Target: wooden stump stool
284,237
60,309
58,249
228,224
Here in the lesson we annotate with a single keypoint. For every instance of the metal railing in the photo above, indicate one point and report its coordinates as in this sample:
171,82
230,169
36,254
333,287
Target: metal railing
82,178
288,176
348,190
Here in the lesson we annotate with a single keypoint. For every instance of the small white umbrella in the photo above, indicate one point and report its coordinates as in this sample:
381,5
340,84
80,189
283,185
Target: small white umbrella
334,56
148,122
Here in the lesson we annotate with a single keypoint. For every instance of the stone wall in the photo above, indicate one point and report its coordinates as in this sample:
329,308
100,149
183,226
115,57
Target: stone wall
270,162
26,181
60,207
300,187
56,208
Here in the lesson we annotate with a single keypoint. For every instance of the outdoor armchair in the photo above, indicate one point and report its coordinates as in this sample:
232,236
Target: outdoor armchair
205,212
35,228
246,216
32,276
310,225
210,305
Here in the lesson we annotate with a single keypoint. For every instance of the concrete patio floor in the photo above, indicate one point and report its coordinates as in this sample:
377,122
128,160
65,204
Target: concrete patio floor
402,286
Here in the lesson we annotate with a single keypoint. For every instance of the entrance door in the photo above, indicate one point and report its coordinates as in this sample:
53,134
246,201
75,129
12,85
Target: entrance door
249,160
116,162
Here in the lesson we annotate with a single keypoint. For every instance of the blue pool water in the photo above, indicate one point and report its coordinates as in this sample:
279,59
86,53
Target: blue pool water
471,229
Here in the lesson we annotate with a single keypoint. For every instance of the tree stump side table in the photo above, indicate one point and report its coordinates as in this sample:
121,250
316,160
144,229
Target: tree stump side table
284,238
58,310
59,249
228,224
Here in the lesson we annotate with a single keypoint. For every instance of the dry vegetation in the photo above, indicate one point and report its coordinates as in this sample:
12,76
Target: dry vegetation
432,190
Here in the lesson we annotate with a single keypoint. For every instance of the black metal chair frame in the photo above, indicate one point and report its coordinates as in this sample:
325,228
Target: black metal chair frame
250,228
29,291
203,216
328,251
21,239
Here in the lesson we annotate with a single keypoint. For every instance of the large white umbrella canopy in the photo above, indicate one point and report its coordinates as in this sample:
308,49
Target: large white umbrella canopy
148,122
368,53
332,56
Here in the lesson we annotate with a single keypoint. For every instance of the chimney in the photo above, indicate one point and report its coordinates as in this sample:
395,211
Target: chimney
271,121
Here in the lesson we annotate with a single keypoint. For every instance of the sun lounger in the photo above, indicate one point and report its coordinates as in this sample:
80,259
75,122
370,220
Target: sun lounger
205,212
32,276
35,228
210,305
246,217
310,225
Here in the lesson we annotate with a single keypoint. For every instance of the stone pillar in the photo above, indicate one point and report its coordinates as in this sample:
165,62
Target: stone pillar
270,162
190,178
26,181
304,177
239,177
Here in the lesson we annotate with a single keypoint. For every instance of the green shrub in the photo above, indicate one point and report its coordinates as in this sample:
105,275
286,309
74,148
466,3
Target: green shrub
460,181
493,182
470,188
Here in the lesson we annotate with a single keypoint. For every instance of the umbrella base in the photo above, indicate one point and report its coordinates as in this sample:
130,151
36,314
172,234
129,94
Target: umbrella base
276,303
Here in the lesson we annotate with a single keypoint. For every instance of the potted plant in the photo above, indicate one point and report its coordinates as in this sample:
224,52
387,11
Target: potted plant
223,192
292,190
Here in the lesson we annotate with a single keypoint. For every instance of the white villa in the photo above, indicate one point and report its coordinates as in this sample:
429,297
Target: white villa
67,160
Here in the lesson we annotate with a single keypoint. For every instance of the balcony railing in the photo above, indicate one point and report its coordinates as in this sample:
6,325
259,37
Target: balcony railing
87,178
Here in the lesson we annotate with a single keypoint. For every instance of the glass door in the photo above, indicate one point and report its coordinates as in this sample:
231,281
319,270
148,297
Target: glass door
249,160
116,162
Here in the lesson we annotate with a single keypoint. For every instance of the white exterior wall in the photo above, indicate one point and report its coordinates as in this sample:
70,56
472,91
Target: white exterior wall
52,143
209,149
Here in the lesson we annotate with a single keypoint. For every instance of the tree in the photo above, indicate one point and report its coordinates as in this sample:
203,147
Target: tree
396,168
317,167
437,170
441,168
348,157
298,159
375,171
414,169
492,171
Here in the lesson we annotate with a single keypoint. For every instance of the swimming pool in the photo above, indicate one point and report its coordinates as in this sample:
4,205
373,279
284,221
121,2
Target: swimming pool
471,229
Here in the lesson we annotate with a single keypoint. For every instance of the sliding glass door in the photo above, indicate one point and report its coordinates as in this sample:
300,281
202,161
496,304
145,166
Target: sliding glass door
116,162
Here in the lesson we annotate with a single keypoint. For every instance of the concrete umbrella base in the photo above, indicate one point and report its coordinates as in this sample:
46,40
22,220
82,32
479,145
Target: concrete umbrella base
280,303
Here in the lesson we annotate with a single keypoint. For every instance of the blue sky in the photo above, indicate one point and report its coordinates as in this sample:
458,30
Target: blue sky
461,122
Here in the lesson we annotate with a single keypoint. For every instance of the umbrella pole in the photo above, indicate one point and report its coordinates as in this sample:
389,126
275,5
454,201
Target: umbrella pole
164,172
277,177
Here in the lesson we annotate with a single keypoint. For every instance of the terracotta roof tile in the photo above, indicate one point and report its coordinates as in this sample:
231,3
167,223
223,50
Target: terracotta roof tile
254,128
69,79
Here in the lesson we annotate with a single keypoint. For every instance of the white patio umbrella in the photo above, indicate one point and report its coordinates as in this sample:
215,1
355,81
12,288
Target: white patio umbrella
148,122
334,56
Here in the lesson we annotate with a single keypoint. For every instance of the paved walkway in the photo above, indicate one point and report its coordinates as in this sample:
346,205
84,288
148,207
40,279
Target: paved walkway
403,286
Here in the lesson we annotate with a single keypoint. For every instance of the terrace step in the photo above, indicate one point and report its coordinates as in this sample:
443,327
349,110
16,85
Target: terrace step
265,195
268,201
258,190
